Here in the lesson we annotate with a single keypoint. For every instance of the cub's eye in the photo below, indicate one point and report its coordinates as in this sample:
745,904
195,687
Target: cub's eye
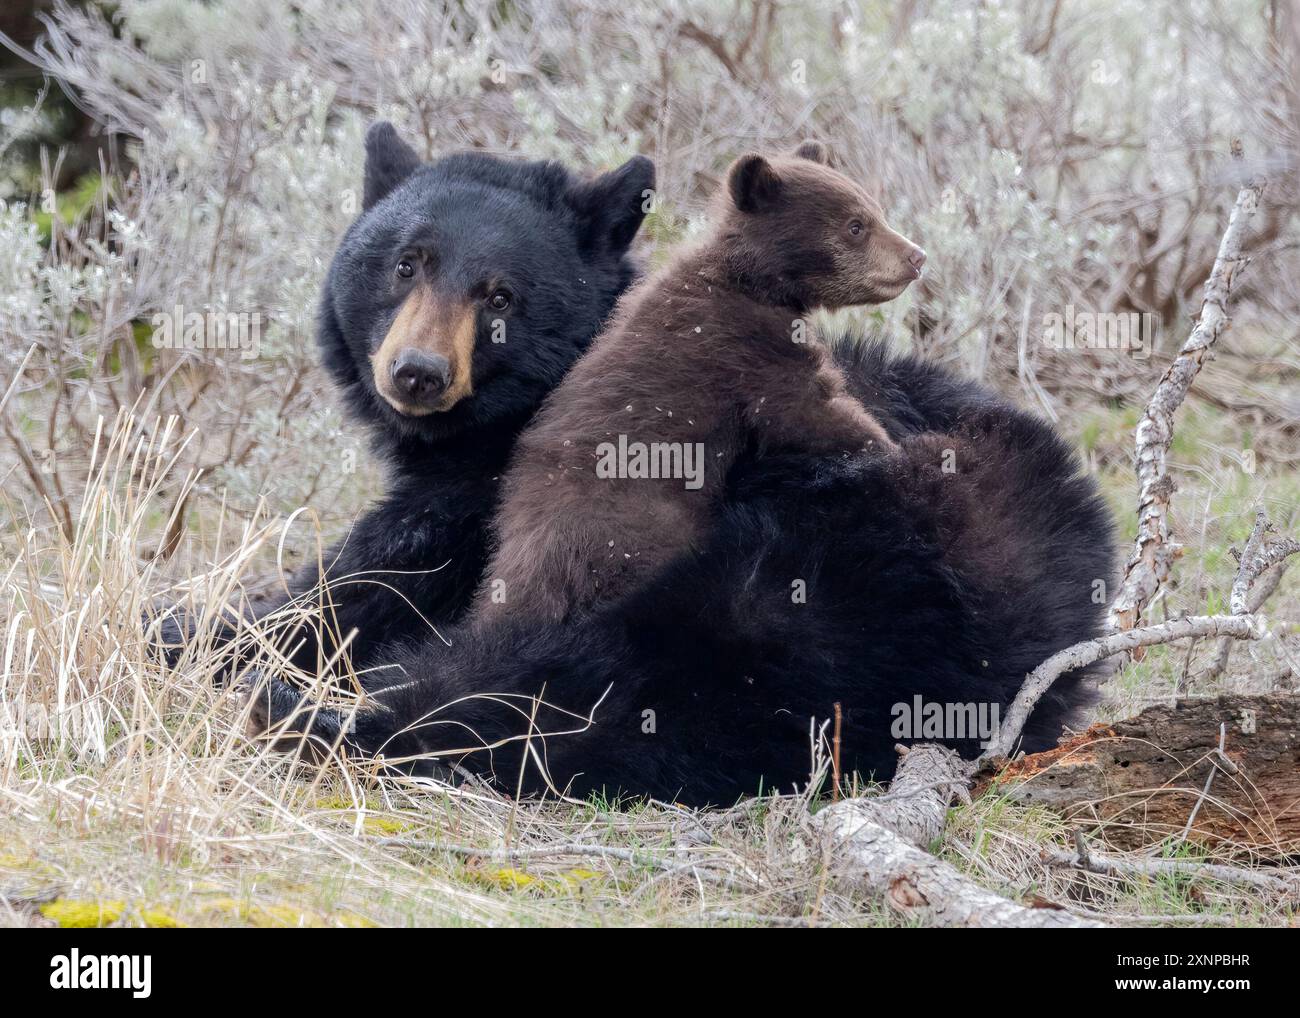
405,269
500,300
856,227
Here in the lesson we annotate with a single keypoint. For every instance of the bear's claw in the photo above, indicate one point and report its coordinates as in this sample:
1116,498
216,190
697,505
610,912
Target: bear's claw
280,714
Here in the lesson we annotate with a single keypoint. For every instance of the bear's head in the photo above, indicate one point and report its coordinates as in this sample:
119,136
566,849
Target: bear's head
468,286
797,233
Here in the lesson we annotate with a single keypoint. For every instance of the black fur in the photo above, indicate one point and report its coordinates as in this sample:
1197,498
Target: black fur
919,582
901,601
561,244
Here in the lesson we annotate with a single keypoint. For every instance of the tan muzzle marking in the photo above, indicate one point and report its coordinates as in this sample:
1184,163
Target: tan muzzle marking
434,325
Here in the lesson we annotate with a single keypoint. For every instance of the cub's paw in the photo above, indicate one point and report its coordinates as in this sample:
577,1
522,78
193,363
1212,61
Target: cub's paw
280,714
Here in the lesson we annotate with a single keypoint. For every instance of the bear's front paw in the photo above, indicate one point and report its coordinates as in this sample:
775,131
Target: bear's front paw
173,631
281,715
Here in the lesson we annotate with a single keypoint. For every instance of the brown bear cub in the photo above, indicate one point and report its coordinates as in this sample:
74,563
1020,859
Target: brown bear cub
620,469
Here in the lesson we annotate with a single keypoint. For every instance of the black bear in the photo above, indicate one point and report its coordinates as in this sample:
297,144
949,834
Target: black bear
456,301
703,355
939,576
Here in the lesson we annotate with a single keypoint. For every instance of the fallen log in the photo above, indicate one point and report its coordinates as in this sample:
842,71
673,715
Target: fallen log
880,847
1161,775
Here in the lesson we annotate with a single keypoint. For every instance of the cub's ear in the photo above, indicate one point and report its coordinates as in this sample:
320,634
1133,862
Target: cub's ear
753,184
610,207
814,151
389,161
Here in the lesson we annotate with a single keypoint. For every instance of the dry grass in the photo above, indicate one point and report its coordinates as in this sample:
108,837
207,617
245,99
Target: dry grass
132,798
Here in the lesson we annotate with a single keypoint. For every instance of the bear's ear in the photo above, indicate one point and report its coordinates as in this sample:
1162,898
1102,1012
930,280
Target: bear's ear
610,207
753,183
389,161
814,151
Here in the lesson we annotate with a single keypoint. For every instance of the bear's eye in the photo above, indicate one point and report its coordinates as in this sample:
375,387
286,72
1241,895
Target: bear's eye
500,300
856,227
405,269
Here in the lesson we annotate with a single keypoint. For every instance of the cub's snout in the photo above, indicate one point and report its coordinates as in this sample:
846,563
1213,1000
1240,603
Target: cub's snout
893,263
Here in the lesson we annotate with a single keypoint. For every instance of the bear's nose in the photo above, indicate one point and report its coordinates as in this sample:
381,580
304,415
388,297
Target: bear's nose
420,377
917,260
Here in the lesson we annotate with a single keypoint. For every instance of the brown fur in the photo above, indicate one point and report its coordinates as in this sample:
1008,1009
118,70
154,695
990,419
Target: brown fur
703,352
429,322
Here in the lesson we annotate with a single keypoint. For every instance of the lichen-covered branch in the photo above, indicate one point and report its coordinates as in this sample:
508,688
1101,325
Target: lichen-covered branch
1261,554
1282,882
1238,627
879,846
1154,549
1259,596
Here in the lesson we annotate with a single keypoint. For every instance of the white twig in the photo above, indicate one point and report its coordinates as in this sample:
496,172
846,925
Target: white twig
1154,550
13,385
1209,780
1260,554
1280,882
1239,627
1259,596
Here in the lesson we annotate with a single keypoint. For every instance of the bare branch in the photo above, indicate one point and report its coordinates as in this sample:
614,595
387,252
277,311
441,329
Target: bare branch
1255,561
1259,596
1154,550
1279,882
1259,556
1238,627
